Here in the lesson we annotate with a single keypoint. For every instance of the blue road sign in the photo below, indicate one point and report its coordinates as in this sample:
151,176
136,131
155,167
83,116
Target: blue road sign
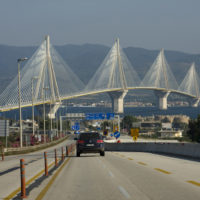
110,116
89,116
117,134
99,116
76,127
76,132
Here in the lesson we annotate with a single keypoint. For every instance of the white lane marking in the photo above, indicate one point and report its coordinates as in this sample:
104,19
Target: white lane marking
111,174
124,192
103,165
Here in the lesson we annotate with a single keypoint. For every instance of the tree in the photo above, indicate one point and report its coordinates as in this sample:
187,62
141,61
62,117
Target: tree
194,129
166,120
128,121
177,123
106,124
66,125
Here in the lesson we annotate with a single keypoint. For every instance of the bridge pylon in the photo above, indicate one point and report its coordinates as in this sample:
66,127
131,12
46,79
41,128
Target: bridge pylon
114,75
117,99
194,102
160,76
162,98
45,79
190,85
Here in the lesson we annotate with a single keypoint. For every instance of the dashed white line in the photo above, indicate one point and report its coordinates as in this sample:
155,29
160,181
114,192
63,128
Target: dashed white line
124,192
111,174
101,163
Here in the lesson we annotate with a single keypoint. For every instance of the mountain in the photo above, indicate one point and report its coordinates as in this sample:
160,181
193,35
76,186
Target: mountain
85,59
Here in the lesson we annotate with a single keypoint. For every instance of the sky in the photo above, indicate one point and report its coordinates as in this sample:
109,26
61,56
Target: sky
150,24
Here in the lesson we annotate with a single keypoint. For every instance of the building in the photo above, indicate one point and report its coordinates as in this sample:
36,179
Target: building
170,133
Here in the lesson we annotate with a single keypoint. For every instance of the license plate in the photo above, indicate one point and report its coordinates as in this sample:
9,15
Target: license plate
90,145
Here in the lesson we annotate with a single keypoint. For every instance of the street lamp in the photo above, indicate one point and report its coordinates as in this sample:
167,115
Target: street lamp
19,96
51,120
32,80
118,123
61,127
44,94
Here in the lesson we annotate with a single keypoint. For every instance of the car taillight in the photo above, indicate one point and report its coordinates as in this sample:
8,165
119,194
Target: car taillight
80,141
99,141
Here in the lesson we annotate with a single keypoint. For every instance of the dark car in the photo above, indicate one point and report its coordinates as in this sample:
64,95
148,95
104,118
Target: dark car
90,142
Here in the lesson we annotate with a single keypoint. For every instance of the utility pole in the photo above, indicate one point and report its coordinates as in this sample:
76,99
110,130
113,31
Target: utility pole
32,84
44,113
19,97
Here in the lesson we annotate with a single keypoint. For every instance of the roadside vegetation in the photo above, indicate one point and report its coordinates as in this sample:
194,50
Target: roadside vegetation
37,148
193,132
13,140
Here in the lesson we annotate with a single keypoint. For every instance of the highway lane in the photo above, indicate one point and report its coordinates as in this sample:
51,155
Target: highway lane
127,175
34,163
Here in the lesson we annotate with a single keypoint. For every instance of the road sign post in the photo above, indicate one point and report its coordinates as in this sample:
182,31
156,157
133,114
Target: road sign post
23,182
2,153
66,151
105,132
135,133
62,150
45,164
116,134
135,138
99,116
56,161
115,128
76,127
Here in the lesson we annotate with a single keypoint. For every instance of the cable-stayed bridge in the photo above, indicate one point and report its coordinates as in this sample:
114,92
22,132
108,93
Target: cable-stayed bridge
46,78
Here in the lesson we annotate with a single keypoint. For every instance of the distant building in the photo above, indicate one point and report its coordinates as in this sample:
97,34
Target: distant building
27,126
147,125
170,133
166,126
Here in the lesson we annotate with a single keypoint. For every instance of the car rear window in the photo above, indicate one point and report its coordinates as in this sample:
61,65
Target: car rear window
84,136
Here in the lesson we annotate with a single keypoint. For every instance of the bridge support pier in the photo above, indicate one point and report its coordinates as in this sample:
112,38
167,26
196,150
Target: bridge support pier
117,98
50,109
53,109
194,102
162,99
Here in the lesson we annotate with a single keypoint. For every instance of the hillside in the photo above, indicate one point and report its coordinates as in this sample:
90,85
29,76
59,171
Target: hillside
85,59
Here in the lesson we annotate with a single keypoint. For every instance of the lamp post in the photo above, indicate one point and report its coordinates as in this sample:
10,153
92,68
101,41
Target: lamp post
61,124
32,81
51,120
44,125
118,123
19,97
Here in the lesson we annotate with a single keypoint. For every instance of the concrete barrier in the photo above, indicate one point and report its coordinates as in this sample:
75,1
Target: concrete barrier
178,149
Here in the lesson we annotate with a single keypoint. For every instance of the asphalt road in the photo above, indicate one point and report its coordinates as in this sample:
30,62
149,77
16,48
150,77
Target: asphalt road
34,163
118,175
127,175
